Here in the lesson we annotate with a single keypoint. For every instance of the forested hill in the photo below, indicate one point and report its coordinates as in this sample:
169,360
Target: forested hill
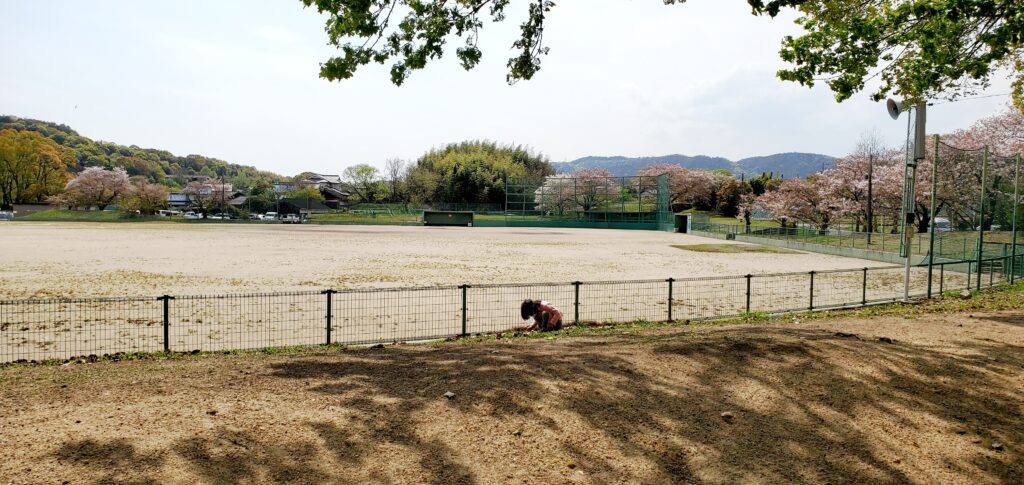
158,165
787,164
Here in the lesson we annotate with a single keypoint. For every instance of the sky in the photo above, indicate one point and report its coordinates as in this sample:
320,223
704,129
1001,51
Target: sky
238,80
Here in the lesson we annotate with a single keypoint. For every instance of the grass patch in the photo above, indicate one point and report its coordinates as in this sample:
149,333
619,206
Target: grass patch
758,223
733,248
366,218
70,215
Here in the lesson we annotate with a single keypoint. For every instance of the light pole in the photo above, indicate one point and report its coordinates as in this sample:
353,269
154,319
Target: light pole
914,154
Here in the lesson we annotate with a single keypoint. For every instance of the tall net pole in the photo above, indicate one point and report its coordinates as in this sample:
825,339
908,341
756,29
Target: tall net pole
981,215
871,215
1013,225
932,215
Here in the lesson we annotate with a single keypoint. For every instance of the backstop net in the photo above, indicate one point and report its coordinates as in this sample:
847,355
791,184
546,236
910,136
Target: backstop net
566,200
977,207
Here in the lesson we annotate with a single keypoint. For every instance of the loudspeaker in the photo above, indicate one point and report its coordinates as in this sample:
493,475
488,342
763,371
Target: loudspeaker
895,108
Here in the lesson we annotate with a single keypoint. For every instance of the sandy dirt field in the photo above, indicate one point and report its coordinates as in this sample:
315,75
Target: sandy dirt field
60,260
942,403
141,261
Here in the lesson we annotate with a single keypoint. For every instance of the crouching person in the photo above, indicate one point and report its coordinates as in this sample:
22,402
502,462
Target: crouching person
545,316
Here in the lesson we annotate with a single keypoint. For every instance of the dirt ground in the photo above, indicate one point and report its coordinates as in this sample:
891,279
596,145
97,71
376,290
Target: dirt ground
61,260
943,402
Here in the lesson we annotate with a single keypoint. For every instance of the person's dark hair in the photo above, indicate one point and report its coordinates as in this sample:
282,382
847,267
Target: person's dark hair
528,308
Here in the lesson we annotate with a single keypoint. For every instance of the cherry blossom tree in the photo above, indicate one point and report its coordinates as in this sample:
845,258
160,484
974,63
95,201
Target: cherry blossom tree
846,183
94,187
746,208
689,188
800,200
556,195
204,195
593,186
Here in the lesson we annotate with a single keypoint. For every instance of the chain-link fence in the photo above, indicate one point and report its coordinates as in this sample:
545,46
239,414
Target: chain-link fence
966,205
587,200
37,330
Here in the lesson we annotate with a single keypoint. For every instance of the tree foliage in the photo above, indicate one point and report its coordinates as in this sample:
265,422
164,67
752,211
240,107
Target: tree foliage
32,167
421,34
157,165
473,172
144,196
306,192
919,49
365,182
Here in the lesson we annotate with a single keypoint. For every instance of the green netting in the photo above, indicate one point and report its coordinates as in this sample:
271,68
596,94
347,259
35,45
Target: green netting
976,209
588,201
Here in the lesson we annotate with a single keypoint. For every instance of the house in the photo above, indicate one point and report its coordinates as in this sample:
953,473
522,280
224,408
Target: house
282,187
177,199
207,188
330,186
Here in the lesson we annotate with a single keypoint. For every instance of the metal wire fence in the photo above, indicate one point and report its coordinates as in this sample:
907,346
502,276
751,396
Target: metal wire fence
588,200
59,329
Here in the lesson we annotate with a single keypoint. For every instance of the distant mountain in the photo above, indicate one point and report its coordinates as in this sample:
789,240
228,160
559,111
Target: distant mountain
787,164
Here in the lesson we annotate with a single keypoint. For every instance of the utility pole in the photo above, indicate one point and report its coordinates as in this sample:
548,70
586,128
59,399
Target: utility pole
871,179
222,194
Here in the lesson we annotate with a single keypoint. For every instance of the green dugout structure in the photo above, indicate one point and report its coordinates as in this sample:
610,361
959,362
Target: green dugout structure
586,202
447,218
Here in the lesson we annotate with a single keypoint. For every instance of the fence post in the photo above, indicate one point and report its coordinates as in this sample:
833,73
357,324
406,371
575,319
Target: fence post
670,281
464,309
942,277
864,289
330,315
576,303
167,321
811,306
969,264
748,277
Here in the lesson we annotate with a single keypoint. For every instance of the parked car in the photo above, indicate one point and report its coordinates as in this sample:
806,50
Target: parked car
270,216
192,215
255,217
215,217
942,225
6,216
291,219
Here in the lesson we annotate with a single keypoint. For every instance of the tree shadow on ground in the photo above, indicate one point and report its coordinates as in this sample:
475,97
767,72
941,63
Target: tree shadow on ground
633,408
1005,319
